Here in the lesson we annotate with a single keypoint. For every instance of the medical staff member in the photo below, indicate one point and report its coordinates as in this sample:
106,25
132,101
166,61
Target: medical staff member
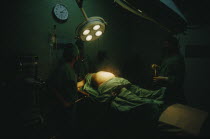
62,84
171,72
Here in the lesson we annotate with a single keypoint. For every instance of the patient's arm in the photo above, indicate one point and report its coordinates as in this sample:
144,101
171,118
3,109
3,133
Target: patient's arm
80,85
84,93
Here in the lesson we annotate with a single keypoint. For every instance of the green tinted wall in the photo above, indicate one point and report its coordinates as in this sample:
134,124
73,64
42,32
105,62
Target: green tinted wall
132,43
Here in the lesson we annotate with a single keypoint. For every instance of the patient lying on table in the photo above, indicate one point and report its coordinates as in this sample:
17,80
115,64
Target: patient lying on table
142,107
121,95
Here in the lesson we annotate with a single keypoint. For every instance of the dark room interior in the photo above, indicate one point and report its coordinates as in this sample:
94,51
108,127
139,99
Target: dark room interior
129,41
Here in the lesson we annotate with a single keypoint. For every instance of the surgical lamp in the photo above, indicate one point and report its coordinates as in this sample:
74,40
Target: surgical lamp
92,28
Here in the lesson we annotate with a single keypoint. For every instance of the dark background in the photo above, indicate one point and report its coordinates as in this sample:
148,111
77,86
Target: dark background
131,42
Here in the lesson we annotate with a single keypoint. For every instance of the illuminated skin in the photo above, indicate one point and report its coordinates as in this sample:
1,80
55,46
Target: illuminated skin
158,78
80,84
101,77
98,78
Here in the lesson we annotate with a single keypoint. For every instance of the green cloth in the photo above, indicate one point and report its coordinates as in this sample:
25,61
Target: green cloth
129,96
64,80
133,112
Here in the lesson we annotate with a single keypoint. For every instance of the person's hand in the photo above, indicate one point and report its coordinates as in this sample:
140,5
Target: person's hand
160,78
80,84
154,66
84,93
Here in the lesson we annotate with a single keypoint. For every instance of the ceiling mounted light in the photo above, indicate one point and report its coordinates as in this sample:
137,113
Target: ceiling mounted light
96,27
86,32
92,28
98,33
89,38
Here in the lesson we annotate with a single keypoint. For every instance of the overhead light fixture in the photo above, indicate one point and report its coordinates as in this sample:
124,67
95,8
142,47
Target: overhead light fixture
99,33
88,38
92,28
96,27
86,32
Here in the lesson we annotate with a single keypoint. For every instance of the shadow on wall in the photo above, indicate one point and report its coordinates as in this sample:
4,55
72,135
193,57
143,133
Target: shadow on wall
197,82
105,62
136,71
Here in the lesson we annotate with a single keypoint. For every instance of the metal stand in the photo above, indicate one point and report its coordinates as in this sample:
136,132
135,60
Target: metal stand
28,69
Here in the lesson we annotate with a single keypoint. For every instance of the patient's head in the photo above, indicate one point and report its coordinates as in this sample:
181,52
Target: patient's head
100,77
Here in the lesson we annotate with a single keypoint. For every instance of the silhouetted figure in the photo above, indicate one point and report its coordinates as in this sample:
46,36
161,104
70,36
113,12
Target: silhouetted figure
62,84
171,72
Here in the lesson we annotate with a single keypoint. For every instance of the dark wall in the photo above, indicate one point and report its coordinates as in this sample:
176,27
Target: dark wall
195,46
132,44
30,22
27,25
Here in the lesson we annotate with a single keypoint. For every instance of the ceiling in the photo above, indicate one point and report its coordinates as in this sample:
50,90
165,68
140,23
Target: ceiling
195,11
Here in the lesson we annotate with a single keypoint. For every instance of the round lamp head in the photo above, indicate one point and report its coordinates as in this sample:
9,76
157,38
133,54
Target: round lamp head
91,29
